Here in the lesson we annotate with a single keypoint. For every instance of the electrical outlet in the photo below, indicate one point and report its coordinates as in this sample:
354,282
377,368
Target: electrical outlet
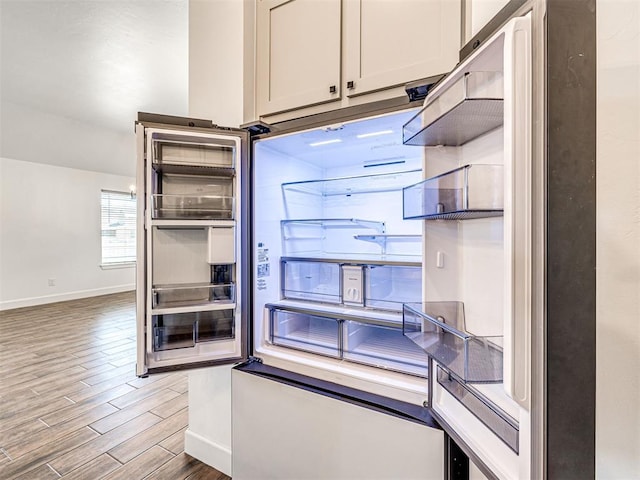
52,282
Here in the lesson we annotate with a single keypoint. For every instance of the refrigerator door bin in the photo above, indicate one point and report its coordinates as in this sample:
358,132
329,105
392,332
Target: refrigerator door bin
471,191
470,107
439,329
383,347
215,325
206,207
173,331
389,286
184,151
171,296
505,427
185,330
311,280
304,330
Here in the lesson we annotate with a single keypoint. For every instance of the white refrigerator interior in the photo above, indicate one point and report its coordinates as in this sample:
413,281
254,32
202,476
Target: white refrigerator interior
334,260
189,276
474,320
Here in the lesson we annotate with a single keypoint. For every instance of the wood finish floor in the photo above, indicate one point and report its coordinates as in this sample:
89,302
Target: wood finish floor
71,405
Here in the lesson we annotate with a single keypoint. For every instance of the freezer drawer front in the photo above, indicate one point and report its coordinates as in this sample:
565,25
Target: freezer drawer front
292,432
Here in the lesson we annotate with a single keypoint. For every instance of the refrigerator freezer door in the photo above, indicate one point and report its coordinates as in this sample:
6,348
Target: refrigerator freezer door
283,431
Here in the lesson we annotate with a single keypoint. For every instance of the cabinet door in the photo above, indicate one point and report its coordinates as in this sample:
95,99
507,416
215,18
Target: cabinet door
392,43
298,53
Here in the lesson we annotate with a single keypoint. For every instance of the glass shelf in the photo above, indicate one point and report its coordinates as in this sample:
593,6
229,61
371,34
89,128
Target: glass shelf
336,223
471,191
439,329
470,107
384,182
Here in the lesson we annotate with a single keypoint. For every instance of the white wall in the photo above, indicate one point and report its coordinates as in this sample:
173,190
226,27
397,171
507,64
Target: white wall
216,61
50,229
33,135
618,240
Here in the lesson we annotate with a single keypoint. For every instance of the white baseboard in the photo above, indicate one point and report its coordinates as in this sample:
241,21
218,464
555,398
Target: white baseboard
63,297
208,452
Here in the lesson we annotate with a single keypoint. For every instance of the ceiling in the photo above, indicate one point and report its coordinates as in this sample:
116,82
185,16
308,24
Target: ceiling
89,65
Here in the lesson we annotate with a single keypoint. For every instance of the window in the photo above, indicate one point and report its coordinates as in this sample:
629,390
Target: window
118,213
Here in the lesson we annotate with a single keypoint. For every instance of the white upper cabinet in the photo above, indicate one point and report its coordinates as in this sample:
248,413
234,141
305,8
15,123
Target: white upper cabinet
314,52
389,43
298,47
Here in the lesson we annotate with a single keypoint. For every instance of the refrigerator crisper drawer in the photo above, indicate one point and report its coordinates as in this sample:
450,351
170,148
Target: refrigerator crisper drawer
439,329
470,107
169,296
305,331
381,287
309,280
471,191
169,152
383,347
373,341
387,287
185,330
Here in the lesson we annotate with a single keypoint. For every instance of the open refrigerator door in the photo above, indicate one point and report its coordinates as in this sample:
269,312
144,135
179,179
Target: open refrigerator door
190,271
475,318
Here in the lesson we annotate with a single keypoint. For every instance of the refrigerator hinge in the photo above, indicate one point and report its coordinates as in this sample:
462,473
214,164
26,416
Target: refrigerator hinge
249,361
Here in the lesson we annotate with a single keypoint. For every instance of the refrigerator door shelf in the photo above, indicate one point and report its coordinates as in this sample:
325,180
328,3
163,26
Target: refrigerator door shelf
471,191
205,207
439,329
184,151
493,417
492,437
186,330
171,296
468,108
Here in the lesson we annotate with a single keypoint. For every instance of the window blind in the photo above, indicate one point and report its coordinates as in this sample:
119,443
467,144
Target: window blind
118,230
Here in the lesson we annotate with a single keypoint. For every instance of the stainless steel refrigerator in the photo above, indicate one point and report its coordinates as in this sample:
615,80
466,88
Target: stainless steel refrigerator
383,263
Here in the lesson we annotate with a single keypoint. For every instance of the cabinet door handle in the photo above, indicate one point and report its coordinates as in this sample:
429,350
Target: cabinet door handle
351,85
333,89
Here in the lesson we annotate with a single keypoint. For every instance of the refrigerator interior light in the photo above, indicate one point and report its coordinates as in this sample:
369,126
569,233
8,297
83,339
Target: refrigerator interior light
325,142
374,134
